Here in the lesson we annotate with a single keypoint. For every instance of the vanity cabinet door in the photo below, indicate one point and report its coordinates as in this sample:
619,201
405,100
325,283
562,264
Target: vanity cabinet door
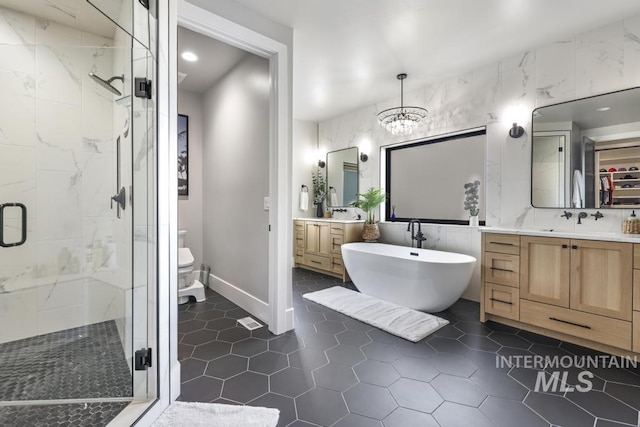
602,278
311,237
324,238
545,266
317,238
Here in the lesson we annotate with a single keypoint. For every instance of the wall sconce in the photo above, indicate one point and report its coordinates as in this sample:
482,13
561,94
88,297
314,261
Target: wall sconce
321,163
516,113
365,146
516,131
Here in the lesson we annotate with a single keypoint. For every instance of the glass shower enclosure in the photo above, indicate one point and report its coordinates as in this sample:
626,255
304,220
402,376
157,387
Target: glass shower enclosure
77,209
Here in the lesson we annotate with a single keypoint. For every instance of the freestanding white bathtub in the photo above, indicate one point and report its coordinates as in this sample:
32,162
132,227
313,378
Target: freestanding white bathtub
421,279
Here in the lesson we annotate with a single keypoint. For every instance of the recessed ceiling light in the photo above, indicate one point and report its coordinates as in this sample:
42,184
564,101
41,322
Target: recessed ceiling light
601,109
189,56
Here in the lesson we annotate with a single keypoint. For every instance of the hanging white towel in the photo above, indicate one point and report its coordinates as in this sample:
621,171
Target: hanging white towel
304,200
578,190
334,198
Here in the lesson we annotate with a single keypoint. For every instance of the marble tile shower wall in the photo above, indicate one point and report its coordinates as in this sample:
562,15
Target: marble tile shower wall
597,61
57,157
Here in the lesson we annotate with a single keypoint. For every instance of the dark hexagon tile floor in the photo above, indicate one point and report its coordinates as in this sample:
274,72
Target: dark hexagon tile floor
336,371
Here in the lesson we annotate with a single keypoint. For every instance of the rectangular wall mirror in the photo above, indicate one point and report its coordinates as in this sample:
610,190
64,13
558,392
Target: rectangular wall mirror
342,177
586,153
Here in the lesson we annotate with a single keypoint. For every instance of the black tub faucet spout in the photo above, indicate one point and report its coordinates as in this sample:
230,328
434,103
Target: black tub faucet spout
418,237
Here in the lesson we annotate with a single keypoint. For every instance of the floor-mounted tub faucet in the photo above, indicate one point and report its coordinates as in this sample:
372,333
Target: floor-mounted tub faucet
418,237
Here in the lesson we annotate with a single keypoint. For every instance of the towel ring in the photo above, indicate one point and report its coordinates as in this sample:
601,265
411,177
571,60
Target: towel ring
304,189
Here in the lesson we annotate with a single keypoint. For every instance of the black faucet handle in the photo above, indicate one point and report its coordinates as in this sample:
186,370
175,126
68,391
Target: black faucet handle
597,215
566,215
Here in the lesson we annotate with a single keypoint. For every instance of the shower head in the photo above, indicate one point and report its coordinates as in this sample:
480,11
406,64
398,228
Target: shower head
107,83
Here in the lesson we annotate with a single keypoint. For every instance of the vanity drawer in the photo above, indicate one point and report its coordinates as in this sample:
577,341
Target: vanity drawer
299,255
502,269
636,331
337,266
605,330
502,243
316,261
298,226
636,290
337,229
299,238
336,243
502,300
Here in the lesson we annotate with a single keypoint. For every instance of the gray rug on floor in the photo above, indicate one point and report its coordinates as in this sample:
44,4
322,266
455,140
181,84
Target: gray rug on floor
189,414
404,322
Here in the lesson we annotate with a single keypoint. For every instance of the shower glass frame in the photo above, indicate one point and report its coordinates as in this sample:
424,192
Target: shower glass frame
86,261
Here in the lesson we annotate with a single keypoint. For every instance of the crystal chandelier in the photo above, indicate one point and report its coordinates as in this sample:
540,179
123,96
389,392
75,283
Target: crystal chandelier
401,120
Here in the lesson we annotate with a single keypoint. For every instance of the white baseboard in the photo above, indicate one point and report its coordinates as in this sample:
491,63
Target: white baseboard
175,381
248,302
289,319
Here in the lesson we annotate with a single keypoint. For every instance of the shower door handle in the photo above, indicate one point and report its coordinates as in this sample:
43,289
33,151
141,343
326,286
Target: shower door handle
120,199
23,236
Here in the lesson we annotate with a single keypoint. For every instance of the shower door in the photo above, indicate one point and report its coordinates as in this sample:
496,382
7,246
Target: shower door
77,206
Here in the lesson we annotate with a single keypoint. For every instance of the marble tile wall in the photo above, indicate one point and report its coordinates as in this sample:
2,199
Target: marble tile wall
596,61
57,157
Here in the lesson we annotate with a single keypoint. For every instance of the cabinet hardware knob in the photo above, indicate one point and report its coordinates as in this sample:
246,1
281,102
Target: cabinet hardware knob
574,247
565,246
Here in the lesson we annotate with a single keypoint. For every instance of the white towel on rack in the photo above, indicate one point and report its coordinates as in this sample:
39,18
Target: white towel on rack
334,198
304,201
578,190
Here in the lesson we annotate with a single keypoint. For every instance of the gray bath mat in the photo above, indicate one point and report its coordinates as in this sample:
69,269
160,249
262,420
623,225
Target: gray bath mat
404,322
188,414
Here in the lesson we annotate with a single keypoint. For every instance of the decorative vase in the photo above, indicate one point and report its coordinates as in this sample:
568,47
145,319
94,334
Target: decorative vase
473,221
319,210
370,232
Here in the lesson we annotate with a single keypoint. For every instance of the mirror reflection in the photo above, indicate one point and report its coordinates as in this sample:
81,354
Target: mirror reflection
342,177
586,153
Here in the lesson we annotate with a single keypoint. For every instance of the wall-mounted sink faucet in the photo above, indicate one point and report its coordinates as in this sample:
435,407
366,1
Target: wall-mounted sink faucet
581,216
418,237
566,215
597,215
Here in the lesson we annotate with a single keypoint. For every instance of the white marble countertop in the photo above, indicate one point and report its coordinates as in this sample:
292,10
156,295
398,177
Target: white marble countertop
330,220
587,235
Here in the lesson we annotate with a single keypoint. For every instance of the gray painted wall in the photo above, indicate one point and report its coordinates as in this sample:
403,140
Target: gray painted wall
190,207
236,177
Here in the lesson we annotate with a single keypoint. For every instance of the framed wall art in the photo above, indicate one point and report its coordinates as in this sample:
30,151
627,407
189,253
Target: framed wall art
183,155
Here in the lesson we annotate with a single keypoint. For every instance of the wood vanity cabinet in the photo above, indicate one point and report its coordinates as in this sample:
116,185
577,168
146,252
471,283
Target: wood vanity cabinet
586,275
318,245
572,289
501,275
636,298
545,270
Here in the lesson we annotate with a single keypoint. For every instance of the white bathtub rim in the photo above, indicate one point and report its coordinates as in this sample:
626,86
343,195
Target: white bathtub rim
452,257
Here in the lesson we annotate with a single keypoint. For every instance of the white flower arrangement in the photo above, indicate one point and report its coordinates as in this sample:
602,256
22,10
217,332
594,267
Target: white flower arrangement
471,197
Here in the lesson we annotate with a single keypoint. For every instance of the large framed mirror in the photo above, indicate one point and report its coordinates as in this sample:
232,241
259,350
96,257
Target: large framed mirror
342,177
586,153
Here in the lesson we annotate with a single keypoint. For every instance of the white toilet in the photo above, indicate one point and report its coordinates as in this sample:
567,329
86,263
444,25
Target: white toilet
186,287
